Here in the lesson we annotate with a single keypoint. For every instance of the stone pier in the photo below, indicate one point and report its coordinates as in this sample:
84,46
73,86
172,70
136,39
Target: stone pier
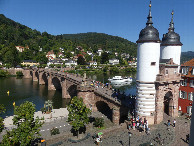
50,83
34,76
115,115
27,74
64,90
41,81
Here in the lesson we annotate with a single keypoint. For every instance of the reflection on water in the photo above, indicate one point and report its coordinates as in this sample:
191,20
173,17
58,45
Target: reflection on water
26,90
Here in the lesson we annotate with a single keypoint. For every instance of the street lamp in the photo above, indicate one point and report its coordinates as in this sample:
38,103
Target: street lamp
129,138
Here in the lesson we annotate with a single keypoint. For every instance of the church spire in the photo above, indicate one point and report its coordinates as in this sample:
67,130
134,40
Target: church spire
171,25
149,22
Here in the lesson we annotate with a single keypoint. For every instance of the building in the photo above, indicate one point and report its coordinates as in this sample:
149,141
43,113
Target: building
21,49
113,61
51,55
157,74
89,52
70,63
187,87
94,63
29,63
99,51
60,54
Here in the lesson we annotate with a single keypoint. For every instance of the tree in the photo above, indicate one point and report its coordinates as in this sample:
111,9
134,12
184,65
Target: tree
81,60
27,127
2,110
104,58
48,105
78,114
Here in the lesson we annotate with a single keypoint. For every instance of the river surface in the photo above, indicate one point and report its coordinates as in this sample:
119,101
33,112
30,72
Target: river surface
21,90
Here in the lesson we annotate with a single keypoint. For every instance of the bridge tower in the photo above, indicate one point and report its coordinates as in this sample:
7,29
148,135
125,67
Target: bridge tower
148,55
171,45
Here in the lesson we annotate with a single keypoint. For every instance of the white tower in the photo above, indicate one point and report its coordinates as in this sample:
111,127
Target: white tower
148,55
171,45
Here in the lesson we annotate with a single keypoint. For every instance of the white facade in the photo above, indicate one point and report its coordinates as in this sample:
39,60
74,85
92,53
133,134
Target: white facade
113,61
168,52
148,55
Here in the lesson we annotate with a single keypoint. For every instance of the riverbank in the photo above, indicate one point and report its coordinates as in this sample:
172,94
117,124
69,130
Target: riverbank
56,114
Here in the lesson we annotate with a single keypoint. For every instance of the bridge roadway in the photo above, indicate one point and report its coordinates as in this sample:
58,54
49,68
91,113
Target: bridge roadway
96,98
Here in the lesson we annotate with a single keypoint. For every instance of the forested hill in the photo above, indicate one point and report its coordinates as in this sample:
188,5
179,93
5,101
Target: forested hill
12,32
186,56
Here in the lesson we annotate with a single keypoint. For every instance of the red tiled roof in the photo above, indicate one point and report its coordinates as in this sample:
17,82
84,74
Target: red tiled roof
189,63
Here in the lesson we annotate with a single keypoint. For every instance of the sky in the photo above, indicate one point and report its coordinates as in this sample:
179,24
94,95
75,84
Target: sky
123,18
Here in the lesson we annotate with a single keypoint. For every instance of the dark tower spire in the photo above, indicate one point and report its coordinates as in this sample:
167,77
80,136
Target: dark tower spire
171,25
149,22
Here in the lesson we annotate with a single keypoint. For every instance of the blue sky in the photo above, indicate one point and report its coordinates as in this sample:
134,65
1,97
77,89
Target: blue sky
123,18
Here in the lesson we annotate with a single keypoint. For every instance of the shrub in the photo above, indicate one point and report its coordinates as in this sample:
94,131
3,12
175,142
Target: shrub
54,131
99,122
3,73
19,73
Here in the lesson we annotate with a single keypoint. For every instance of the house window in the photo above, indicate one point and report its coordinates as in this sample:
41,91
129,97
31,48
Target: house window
190,96
183,94
184,82
192,83
166,71
189,110
184,70
153,63
192,72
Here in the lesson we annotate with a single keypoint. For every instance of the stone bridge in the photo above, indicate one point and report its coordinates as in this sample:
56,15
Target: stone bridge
97,99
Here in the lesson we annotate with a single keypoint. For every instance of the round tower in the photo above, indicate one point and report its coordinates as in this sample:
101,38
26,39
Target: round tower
148,55
171,45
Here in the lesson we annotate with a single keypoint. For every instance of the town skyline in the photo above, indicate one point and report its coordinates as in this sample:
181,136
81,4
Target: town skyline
124,19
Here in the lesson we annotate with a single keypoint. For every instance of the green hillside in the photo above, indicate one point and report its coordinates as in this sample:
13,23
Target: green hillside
15,34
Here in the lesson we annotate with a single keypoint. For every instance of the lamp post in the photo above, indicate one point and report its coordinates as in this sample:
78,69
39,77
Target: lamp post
130,138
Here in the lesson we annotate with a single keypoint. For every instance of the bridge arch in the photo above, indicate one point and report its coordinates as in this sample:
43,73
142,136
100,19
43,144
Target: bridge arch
72,90
45,78
57,83
168,103
104,108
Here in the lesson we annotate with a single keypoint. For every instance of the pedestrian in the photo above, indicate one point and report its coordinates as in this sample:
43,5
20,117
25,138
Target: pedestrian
133,125
137,124
97,141
144,126
187,138
168,124
174,122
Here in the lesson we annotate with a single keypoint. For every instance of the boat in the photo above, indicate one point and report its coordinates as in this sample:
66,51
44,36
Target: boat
120,80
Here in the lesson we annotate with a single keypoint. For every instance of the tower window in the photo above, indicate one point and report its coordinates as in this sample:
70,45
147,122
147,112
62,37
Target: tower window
153,63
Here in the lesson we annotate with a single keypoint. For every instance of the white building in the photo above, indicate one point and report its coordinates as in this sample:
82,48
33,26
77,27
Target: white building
149,103
70,63
171,45
94,63
89,52
113,61
148,55
99,51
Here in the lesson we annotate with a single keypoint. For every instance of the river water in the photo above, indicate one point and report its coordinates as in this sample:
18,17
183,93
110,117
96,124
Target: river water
21,90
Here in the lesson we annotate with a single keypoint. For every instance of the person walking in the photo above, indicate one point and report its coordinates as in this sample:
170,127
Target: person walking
133,125
174,122
168,124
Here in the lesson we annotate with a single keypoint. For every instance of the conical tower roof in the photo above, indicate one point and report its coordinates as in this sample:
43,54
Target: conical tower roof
149,33
171,38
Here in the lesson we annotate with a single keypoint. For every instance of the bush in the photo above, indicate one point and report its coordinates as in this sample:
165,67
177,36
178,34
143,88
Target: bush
3,73
99,122
19,73
54,131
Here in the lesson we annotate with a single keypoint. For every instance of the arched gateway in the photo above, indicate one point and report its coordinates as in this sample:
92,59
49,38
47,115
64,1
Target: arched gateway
167,91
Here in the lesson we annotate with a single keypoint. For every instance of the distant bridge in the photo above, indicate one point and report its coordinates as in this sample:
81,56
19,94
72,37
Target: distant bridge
97,99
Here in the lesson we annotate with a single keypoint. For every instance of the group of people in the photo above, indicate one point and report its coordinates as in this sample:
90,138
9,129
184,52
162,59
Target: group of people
139,124
98,84
168,124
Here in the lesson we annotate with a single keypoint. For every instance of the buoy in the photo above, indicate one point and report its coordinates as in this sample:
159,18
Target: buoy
8,93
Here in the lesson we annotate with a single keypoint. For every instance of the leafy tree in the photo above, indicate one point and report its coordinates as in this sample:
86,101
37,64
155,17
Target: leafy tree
78,114
81,60
41,58
27,127
48,105
2,110
104,58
